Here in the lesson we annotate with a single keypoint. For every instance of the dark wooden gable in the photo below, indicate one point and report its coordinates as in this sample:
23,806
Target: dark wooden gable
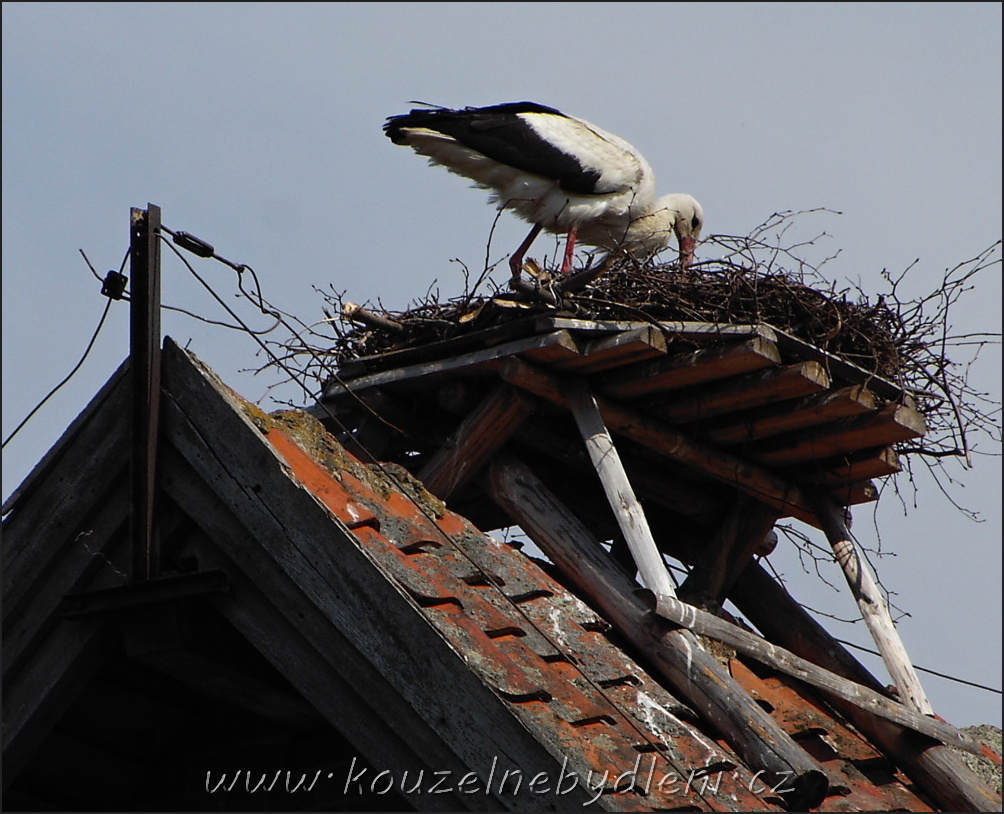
337,650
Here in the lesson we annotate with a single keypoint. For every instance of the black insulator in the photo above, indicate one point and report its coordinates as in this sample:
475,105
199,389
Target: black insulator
193,244
114,285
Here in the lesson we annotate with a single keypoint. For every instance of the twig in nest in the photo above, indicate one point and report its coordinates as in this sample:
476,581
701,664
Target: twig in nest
359,314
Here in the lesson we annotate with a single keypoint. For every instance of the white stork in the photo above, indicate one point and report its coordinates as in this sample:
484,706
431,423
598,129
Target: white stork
559,173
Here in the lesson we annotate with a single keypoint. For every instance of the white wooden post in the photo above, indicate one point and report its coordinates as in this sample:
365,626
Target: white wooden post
628,511
872,605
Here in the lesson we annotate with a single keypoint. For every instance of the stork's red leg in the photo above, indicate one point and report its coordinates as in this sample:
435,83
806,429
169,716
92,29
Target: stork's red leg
516,261
566,265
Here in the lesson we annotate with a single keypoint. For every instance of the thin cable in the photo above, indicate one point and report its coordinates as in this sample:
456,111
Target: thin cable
51,393
956,679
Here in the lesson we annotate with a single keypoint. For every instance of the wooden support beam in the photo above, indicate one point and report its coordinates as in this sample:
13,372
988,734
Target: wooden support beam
546,348
838,366
735,543
785,498
872,605
744,393
825,408
889,425
623,348
938,771
478,437
707,624
675,653
869,463
693,367
627,510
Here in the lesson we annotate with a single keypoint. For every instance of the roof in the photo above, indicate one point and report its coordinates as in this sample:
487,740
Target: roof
316,613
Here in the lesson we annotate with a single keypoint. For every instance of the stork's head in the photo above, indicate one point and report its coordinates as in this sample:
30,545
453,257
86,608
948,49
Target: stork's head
688,224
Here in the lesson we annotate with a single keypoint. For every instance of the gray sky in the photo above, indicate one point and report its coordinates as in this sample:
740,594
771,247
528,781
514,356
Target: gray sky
257,127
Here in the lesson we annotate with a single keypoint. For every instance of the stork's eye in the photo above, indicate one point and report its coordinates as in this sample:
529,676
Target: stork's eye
695,224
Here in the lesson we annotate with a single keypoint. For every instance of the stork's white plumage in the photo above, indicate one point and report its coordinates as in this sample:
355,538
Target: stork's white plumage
560,173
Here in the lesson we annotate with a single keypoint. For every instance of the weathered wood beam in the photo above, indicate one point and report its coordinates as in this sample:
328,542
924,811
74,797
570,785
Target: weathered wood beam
852,494
755,647
623,348
90,459
824,408
478,437
890,425
695,331
744,393
626,508
454,346
545,348
933,767
839,367
872,605
675,653
869,463
693,367
737,540
785,498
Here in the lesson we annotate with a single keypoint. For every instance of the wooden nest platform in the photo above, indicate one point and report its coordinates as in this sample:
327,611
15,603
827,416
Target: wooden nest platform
709,401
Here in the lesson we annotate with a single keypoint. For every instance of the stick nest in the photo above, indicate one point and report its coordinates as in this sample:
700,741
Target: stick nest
758,278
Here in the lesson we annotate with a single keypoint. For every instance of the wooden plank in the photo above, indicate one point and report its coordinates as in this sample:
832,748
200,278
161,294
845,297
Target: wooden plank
852,494
696,331
691,368
840,368
872,605
626,508
37,533
890,425
548,347
623,348
824,408
784,497
465,343
650,480
743,393
935,769
96,558
869,463
675,653
479,436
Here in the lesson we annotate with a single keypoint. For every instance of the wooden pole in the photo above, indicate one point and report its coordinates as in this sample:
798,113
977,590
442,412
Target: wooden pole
872,605
627,510
479,436
144,365
676,653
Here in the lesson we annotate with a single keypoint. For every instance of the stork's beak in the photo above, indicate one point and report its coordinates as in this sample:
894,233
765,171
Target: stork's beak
687,246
